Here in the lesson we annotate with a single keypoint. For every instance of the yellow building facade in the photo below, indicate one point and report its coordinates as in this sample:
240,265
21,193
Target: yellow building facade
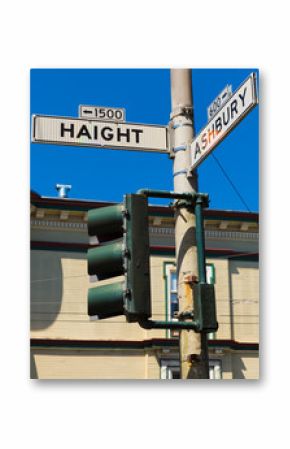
67,344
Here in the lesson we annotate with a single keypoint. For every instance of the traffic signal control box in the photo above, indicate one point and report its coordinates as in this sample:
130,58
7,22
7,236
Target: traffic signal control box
205,307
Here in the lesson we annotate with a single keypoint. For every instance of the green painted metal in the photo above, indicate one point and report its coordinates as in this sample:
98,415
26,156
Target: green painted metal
205,307
204,312
107,300
177,325
204,300
106,261
129,257
106,222
204,294
167,194
138,298
200,240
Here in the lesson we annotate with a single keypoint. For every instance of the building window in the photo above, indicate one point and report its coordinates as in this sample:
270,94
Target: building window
172,305
210,273
173,295
215,369
210,279
170,369
171,292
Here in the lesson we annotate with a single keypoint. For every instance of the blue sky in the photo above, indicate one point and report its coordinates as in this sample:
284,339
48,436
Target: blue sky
103,174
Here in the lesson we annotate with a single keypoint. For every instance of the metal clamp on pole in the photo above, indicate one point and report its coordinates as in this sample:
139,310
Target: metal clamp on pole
187,111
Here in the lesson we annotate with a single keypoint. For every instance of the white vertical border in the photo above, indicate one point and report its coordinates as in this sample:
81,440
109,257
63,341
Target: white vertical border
261,44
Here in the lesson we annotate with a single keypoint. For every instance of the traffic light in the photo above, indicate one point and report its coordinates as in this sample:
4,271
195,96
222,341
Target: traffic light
123,236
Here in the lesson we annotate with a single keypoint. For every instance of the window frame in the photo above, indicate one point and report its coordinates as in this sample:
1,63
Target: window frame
167,366
168,268
215,367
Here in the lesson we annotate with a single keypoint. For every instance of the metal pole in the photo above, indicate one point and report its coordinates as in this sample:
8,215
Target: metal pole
189,196
192,345
200,240
201,268
177,325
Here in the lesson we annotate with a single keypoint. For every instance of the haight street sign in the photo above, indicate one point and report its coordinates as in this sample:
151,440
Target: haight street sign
102,113
234,110
99,134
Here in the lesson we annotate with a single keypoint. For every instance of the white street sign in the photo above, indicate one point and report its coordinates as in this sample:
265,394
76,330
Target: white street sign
233,111
93,133
102,113
219,101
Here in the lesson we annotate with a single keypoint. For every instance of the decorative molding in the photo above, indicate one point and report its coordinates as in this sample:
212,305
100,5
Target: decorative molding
157,221
219,351
40,213
161,230
37,222
244,226
64,214
230,235
57,225
223,225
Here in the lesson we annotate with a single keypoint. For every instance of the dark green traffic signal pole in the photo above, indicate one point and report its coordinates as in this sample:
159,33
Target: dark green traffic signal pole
201,202
197,201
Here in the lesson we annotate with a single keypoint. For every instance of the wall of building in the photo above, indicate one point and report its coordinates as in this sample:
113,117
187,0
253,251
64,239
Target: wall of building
59,285
93,364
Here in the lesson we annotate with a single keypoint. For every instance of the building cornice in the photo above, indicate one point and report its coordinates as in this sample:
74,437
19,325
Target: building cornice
58,225
163,211
153,343
62,220
209,234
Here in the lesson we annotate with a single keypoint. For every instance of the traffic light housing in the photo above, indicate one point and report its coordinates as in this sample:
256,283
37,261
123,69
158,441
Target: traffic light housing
123,234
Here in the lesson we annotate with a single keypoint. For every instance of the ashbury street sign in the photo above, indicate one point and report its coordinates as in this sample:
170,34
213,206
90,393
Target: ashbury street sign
219,101
100,134
233,111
